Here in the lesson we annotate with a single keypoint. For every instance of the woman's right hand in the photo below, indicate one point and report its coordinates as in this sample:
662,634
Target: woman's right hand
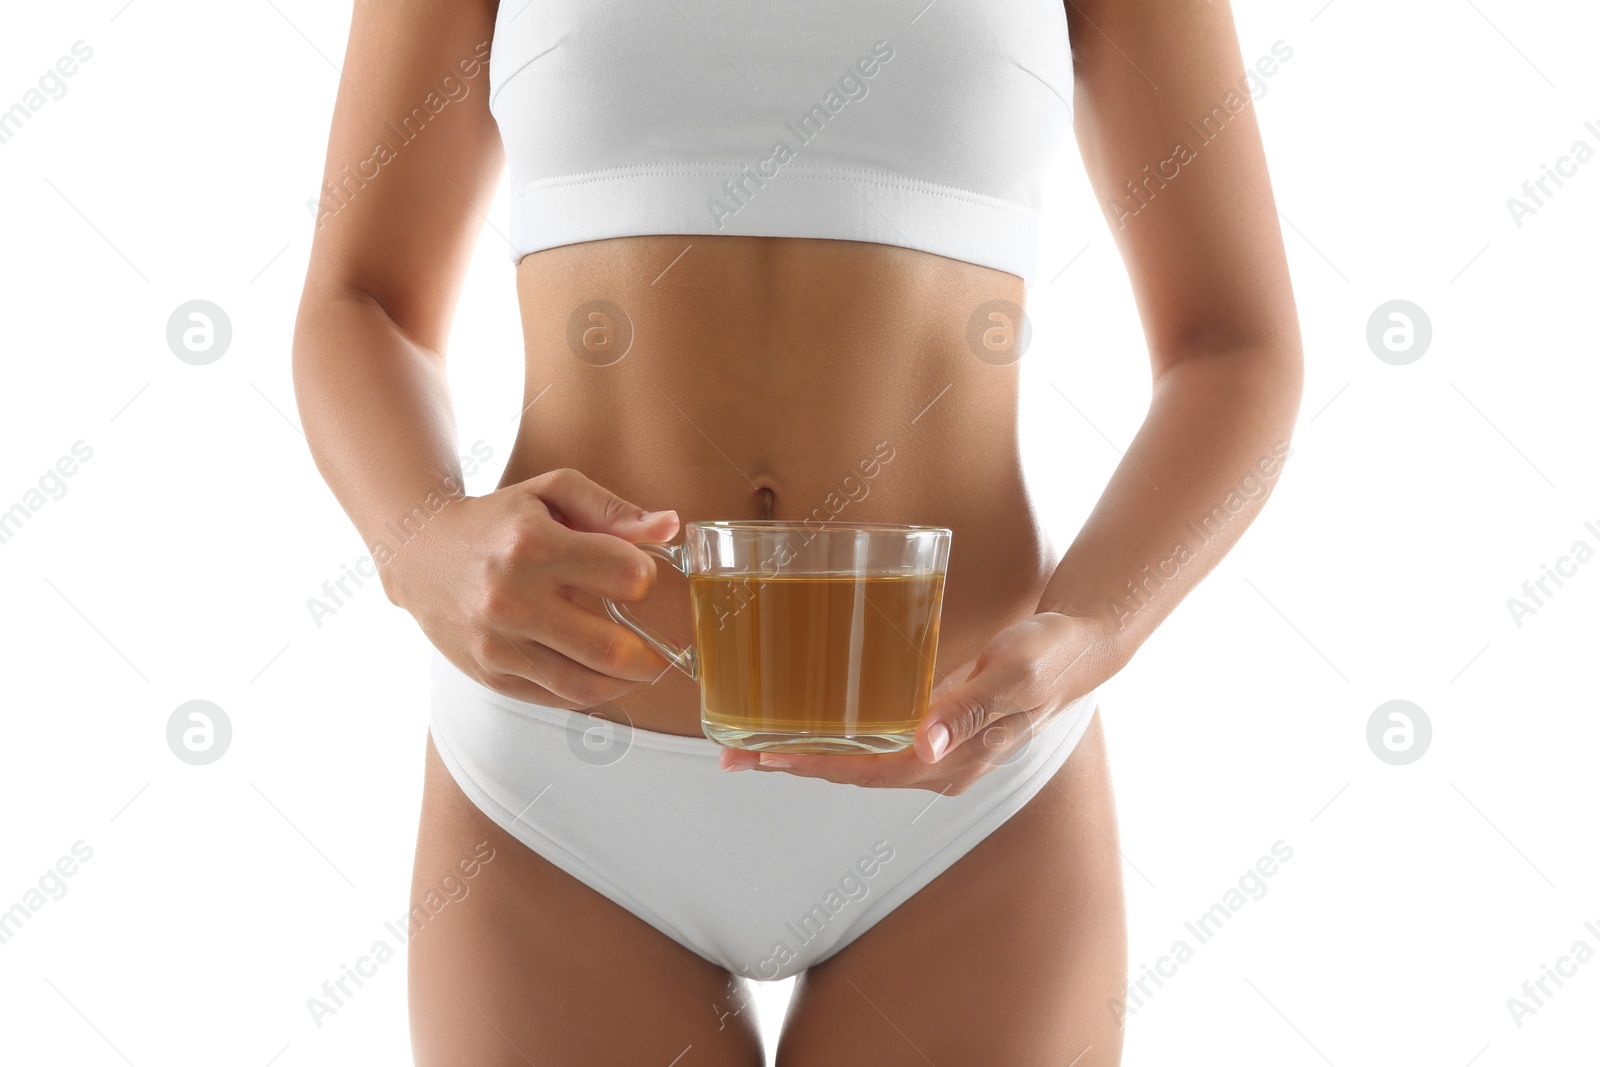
492,581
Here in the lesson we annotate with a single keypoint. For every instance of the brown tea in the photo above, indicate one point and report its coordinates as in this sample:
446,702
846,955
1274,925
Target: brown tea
843,657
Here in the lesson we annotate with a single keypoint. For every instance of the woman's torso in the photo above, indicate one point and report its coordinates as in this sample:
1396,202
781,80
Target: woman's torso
859,367
755,377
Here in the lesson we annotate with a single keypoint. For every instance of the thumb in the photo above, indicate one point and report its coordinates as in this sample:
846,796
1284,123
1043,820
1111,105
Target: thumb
1007,677
1016,672
580,503
971,698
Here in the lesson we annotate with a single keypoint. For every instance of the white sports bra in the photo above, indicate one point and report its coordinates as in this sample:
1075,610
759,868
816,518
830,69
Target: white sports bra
899,122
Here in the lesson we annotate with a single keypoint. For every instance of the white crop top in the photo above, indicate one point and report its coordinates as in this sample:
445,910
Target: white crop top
900,122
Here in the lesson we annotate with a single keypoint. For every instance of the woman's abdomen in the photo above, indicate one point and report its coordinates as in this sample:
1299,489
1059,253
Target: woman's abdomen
735,377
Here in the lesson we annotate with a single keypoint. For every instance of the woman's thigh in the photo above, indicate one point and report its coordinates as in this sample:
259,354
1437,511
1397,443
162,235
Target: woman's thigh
1013,955
529,965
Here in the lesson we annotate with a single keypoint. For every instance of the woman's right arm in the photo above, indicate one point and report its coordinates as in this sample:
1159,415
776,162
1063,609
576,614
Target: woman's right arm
490,579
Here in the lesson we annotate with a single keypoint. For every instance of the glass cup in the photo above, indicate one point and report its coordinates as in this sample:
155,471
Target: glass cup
808,636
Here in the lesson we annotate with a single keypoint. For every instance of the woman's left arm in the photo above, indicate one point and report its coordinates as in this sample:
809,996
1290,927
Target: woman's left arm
1169,139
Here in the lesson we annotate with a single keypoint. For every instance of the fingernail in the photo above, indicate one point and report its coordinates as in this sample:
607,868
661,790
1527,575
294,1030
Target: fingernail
769,760
737,767
938,739
651,516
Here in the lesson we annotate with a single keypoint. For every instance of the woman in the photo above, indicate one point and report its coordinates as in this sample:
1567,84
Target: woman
760,252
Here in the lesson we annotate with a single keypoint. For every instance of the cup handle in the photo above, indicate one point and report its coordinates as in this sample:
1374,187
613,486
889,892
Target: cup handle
682,658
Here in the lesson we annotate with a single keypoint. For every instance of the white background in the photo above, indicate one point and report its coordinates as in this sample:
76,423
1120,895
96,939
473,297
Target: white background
178,562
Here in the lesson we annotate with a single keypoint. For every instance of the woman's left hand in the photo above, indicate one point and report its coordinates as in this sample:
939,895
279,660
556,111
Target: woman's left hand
978,717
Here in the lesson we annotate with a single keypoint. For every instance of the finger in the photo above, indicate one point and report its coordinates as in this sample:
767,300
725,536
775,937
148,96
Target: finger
991,693
738,759
600,564
889,770
996,745
593,640
569,684
1019,669
583,504
517,613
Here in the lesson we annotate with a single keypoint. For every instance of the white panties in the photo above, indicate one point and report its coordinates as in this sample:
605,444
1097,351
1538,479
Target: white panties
760,872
